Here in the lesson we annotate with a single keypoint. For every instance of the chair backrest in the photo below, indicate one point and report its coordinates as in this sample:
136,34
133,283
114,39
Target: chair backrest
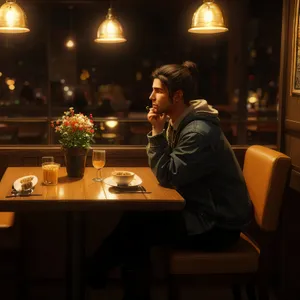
266,172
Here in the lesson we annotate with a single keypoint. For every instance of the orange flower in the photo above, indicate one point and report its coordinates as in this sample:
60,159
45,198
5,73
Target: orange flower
76,130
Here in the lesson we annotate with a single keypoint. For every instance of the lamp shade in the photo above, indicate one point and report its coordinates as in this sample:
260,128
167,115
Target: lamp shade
110,30
208,19
12,18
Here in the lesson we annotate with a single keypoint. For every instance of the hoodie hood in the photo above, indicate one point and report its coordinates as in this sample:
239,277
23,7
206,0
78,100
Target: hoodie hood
198,110
201,106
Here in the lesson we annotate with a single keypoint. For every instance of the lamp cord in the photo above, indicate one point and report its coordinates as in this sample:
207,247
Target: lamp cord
71,20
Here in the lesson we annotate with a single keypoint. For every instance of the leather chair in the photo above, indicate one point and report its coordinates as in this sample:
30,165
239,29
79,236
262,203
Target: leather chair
266,172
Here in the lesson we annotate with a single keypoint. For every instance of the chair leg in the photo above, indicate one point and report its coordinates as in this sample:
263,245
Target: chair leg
236,292
173,288
250,291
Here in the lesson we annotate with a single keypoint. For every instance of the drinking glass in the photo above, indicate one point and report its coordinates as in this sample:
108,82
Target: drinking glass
98,163
50,173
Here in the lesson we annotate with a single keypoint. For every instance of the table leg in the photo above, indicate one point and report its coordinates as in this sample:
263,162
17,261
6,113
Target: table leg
75,256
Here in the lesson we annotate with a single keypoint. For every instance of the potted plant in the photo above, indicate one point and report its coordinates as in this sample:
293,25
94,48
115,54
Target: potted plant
76,133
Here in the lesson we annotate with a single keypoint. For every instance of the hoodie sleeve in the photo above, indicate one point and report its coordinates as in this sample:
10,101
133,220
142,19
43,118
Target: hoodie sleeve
193,157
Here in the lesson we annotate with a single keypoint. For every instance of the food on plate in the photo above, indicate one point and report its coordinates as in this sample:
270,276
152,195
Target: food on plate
26,183
122,177
122,173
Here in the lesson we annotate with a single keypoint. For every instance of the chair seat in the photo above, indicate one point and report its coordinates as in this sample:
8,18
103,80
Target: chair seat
6,219
241,258
9,232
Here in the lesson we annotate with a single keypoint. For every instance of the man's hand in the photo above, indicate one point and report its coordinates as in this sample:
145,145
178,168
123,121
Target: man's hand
157,121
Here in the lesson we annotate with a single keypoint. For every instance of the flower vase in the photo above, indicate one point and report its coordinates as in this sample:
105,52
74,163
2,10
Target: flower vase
75,160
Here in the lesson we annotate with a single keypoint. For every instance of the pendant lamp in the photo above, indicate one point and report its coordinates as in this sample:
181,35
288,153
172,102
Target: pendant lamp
110,31
12,18
70,44
208,19
70,41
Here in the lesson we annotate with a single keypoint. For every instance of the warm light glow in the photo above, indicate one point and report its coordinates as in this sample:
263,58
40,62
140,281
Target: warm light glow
12,18
252,99
111,124
66,88
84,75
61,192
109,135
70,44
10,82
208,15
102,195
1,74
69,93
208,19
110,30
11,87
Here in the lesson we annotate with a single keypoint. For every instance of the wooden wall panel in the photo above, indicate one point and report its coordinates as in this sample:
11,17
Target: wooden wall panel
292,149
290,104
32,156
289,142
294,181
127,156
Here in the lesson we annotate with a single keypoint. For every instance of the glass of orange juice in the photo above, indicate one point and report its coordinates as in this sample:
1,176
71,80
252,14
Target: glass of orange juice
98,163
50,173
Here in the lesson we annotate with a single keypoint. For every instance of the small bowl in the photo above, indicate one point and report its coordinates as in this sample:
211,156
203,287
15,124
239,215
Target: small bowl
122,177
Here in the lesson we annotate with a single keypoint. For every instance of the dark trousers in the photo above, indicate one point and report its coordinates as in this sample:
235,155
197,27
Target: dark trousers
130,243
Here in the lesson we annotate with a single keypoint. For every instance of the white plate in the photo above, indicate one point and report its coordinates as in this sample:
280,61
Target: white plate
17,184
135,182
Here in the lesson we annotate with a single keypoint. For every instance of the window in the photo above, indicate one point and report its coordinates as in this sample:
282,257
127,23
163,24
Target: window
41,77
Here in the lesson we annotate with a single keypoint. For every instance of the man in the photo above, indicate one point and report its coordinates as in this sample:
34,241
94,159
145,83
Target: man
192,156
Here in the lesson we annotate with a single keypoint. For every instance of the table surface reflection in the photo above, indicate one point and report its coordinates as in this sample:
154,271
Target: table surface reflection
77,194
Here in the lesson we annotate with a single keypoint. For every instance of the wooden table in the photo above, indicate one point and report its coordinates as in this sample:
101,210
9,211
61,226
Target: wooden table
75,196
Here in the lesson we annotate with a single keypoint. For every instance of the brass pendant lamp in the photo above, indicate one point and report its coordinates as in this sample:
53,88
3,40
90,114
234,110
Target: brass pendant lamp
12,18
110,31
208,19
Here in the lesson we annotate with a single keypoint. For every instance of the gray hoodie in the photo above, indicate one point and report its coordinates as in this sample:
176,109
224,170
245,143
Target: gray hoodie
195,157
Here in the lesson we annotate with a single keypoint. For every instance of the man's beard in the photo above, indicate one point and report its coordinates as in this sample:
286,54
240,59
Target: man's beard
165,110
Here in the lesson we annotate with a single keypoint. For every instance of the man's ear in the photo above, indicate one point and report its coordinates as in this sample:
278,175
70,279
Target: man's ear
178,95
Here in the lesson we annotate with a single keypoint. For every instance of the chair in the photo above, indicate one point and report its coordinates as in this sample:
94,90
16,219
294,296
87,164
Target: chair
266,172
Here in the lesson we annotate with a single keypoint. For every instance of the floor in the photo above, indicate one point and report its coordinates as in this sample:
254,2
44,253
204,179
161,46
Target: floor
56,291
187,293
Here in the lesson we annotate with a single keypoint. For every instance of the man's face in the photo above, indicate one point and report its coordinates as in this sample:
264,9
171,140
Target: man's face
161,102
